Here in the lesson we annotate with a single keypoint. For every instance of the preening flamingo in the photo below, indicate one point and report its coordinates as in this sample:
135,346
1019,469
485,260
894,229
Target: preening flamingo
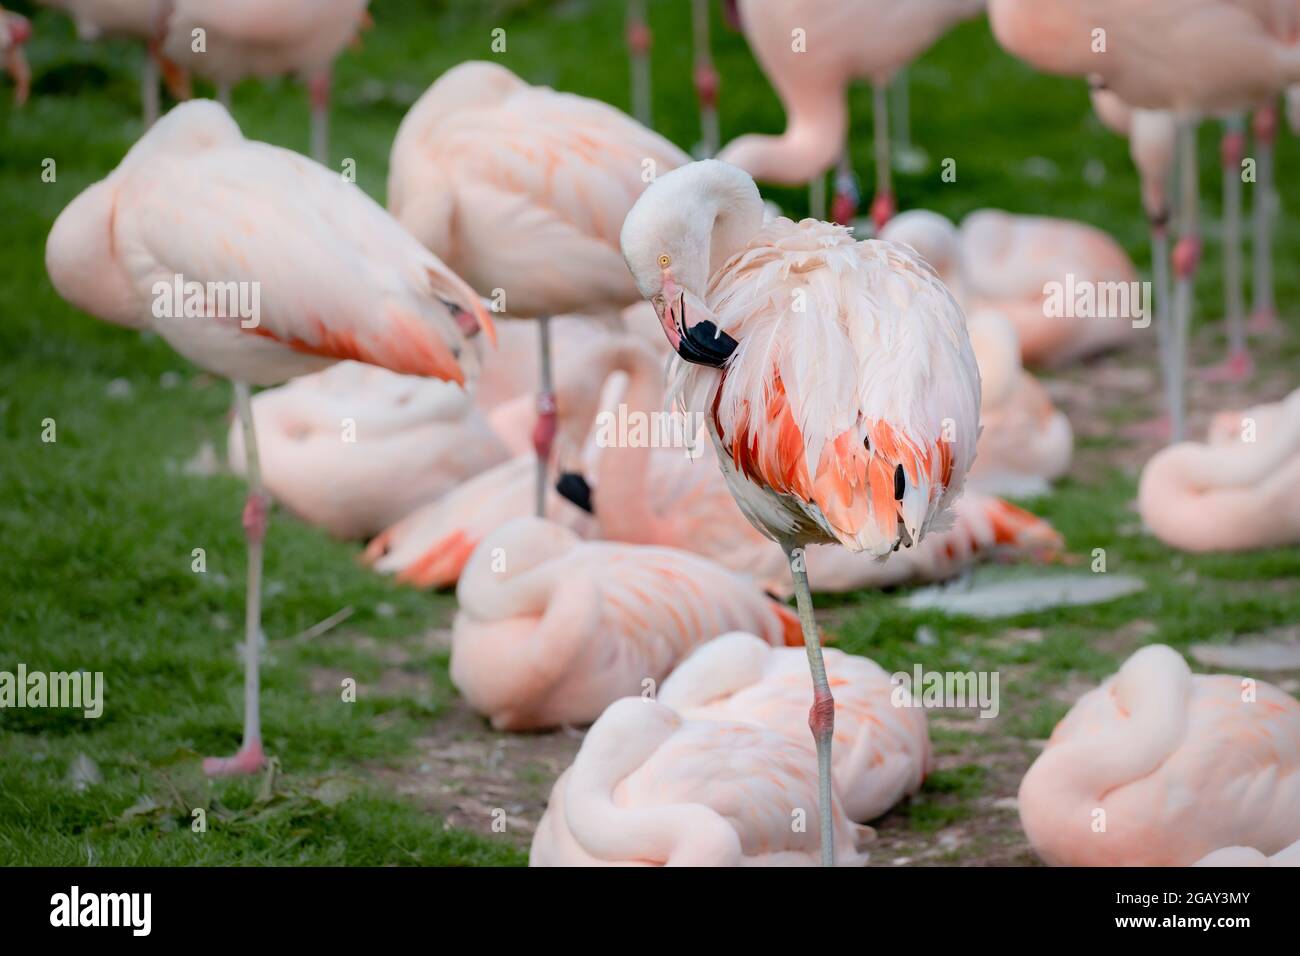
328,275
811,52
552,629
649,788
1159,767
882,746
836,377
522,190
1040,272
15,30
144,20
243,38
1249,856
355,448
1237,493
1211,57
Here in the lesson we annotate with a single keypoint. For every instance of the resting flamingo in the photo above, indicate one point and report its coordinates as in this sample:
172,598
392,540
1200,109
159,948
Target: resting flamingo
836,377
552,629
650,788
522,190
1159,767
1197,498
882,746
330,275
244,38
811,52
16,30
355,448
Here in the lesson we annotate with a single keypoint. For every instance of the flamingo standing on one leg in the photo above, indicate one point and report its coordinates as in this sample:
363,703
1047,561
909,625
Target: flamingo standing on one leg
244,38
1158,767
15,30
836,377
522,190
811,51
1213,57
328,275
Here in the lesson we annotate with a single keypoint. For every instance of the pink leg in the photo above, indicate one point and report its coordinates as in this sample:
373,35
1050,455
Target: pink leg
547,418
1238,364
1263,313
250,758
883,205
844,202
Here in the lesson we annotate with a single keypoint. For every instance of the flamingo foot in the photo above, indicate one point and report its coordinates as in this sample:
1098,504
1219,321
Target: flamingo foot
1264,322
1237,367
249,760
1154,429
1186,257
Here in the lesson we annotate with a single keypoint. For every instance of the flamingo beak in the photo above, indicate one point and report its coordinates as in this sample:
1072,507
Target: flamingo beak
702,343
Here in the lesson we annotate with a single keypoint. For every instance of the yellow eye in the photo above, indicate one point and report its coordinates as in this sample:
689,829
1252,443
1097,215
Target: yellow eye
665,262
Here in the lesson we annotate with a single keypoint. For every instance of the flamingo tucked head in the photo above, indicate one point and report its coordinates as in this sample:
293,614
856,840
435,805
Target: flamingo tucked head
684,227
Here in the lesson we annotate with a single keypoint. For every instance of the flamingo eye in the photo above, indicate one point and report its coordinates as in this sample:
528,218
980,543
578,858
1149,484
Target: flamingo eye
665,262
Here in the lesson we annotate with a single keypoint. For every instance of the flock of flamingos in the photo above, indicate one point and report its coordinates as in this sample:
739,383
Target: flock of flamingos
549,272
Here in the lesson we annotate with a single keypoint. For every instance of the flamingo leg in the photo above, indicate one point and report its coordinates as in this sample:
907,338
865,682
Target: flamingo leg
1186,257
821,717
1237,366
544,432
1164,321
844,204
1264,313
817,197
883,205
223,95
319,90
250,758
149,90
706,79
638,44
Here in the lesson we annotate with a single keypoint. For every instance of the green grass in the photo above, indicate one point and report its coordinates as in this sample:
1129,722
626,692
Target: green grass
97,529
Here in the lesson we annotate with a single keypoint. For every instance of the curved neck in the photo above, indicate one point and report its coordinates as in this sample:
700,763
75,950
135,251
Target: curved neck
490,595
811,144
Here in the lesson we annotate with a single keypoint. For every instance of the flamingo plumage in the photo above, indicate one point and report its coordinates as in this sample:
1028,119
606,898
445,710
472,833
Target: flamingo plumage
523,189
15,31
651,788
552,629
1160,767
882,745
330,275
836,377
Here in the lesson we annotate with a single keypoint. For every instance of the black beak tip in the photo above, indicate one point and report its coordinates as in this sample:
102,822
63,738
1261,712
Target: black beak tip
572,487
705,344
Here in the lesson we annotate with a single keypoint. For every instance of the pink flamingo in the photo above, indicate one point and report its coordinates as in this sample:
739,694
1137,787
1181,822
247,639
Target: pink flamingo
355,448
552,629
811,52
1197,498
1008,263
1249,856
243,38
16,30
836,377
649,788
328,274
522,190
1158,767
882,746
145,20
1215,57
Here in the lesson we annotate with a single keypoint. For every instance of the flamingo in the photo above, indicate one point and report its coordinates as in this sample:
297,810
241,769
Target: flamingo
882,745
522,190
836,378
1012,264
650,788
355,448
639,41
1025,442
145,20
331,276
16,30
811,52
705,76
243,38
1196,497
1159,767
1249,856
1216,57
552,629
